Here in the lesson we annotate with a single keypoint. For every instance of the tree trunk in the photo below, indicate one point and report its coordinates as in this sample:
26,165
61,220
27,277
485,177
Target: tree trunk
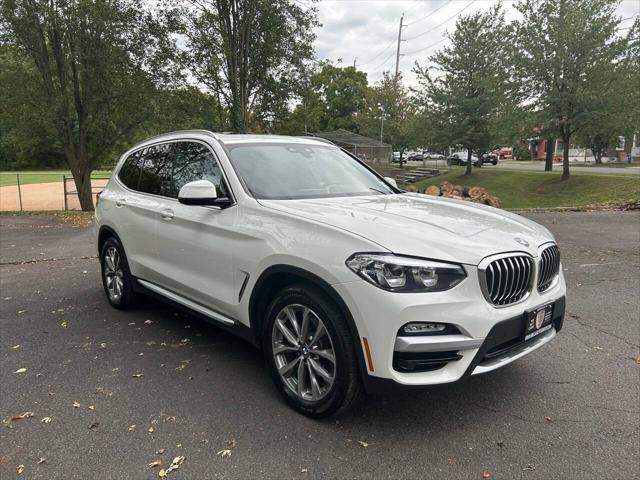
82,179
597,154
548,160
469,166
565,155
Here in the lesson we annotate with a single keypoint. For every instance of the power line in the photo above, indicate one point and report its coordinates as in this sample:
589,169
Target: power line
447,20
428,46
378,54
429,14
384,61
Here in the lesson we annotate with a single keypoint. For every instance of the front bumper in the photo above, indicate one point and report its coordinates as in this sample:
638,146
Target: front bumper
488,337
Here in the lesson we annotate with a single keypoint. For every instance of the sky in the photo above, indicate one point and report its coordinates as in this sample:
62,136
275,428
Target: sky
367,30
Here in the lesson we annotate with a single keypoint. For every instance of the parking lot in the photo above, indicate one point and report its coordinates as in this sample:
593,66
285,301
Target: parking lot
122,389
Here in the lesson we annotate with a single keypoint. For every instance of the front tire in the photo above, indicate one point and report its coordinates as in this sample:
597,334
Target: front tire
310,352
116,277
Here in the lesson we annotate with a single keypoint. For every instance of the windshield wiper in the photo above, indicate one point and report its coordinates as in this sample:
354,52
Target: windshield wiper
379,191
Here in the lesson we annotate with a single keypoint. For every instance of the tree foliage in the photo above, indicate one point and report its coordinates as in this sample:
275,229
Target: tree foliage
96,63
563,49
465,93
248,52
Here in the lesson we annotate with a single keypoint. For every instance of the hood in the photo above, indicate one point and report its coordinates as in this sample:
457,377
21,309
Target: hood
424,226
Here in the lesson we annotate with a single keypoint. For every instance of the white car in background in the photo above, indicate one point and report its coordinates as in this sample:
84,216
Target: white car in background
347,283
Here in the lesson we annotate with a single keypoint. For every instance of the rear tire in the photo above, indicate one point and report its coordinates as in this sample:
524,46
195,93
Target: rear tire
116,277
310,352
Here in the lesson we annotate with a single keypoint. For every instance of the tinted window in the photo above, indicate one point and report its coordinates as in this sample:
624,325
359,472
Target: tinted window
155,171
129,174
194,161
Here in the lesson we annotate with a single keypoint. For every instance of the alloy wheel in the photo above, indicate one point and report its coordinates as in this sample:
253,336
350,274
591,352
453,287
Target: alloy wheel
113,274
303,352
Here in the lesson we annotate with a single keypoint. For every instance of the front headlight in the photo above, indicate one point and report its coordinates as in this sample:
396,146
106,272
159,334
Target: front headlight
406,274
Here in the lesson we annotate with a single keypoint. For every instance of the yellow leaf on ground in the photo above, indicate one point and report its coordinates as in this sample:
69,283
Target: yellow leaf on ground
162,473
76,404
20,370
155,463
20,469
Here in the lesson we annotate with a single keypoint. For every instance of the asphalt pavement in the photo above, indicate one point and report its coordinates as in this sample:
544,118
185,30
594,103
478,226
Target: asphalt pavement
111,392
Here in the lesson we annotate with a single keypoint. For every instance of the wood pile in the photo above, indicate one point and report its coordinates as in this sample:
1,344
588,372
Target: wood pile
470,194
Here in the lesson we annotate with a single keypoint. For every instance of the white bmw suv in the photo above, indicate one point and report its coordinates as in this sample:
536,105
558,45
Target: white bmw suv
347,283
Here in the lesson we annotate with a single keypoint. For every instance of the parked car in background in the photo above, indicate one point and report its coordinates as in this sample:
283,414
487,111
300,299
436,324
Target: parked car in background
415,157
461,157
347,283
490,157
504,152
396,157
433,156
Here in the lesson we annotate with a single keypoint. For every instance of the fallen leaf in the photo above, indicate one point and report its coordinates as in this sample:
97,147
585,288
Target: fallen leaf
21,311
131,428
76,404
46,420
598,348
91,407
64,324
137,375
529,468
20,469
162,473
15,346
160,451
20,370
22,416
103,345
148,322
363,444
486,475
93,425
500,444
41,460
151,430
638,359
304,470
171,418
224,453
231,443
155,463
548,419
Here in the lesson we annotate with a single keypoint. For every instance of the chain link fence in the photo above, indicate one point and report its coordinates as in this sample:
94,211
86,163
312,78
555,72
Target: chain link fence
43,191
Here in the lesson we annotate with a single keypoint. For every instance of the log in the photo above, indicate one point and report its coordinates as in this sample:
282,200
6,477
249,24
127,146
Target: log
433,190
492,201
465,191
457,192
477,192
445,188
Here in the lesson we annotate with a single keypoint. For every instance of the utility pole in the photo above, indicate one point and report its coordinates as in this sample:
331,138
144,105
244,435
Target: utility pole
399,40
354,62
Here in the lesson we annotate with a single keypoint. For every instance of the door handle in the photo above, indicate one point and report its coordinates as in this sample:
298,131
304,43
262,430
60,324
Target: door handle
121,202
166,214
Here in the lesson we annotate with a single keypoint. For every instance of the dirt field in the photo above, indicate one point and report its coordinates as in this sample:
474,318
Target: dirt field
41,196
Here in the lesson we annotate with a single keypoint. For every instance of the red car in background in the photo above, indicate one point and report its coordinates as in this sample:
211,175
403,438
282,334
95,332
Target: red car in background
504,152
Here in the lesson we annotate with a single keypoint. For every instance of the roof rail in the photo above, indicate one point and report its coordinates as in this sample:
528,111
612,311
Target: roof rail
200,131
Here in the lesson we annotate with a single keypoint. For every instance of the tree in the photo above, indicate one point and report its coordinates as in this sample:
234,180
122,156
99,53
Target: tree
91,59
388,112
562,49
464,100
248,52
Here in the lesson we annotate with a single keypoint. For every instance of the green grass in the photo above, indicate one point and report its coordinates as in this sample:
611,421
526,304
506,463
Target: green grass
521,189
42,176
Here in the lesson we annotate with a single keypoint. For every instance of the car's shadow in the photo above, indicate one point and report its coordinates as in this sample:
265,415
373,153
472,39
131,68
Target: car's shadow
241,365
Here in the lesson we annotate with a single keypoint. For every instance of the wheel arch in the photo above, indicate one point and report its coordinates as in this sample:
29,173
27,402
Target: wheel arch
277,277
103,234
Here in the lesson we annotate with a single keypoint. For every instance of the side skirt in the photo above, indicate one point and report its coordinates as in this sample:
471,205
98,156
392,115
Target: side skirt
189,306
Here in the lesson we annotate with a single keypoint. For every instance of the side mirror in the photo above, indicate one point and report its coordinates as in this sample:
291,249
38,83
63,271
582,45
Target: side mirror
391,181
201,192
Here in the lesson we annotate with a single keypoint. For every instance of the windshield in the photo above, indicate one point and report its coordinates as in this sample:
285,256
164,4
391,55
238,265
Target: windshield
293,170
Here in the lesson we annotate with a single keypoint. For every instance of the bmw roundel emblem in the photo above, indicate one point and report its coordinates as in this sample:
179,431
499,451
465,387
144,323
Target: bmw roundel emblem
522,241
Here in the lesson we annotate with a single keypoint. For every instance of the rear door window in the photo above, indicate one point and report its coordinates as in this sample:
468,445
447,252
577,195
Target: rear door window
155,169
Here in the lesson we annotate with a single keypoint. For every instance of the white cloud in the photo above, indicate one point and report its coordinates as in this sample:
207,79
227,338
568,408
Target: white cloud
367,30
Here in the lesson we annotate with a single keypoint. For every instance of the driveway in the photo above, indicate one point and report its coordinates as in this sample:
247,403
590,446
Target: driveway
120,390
